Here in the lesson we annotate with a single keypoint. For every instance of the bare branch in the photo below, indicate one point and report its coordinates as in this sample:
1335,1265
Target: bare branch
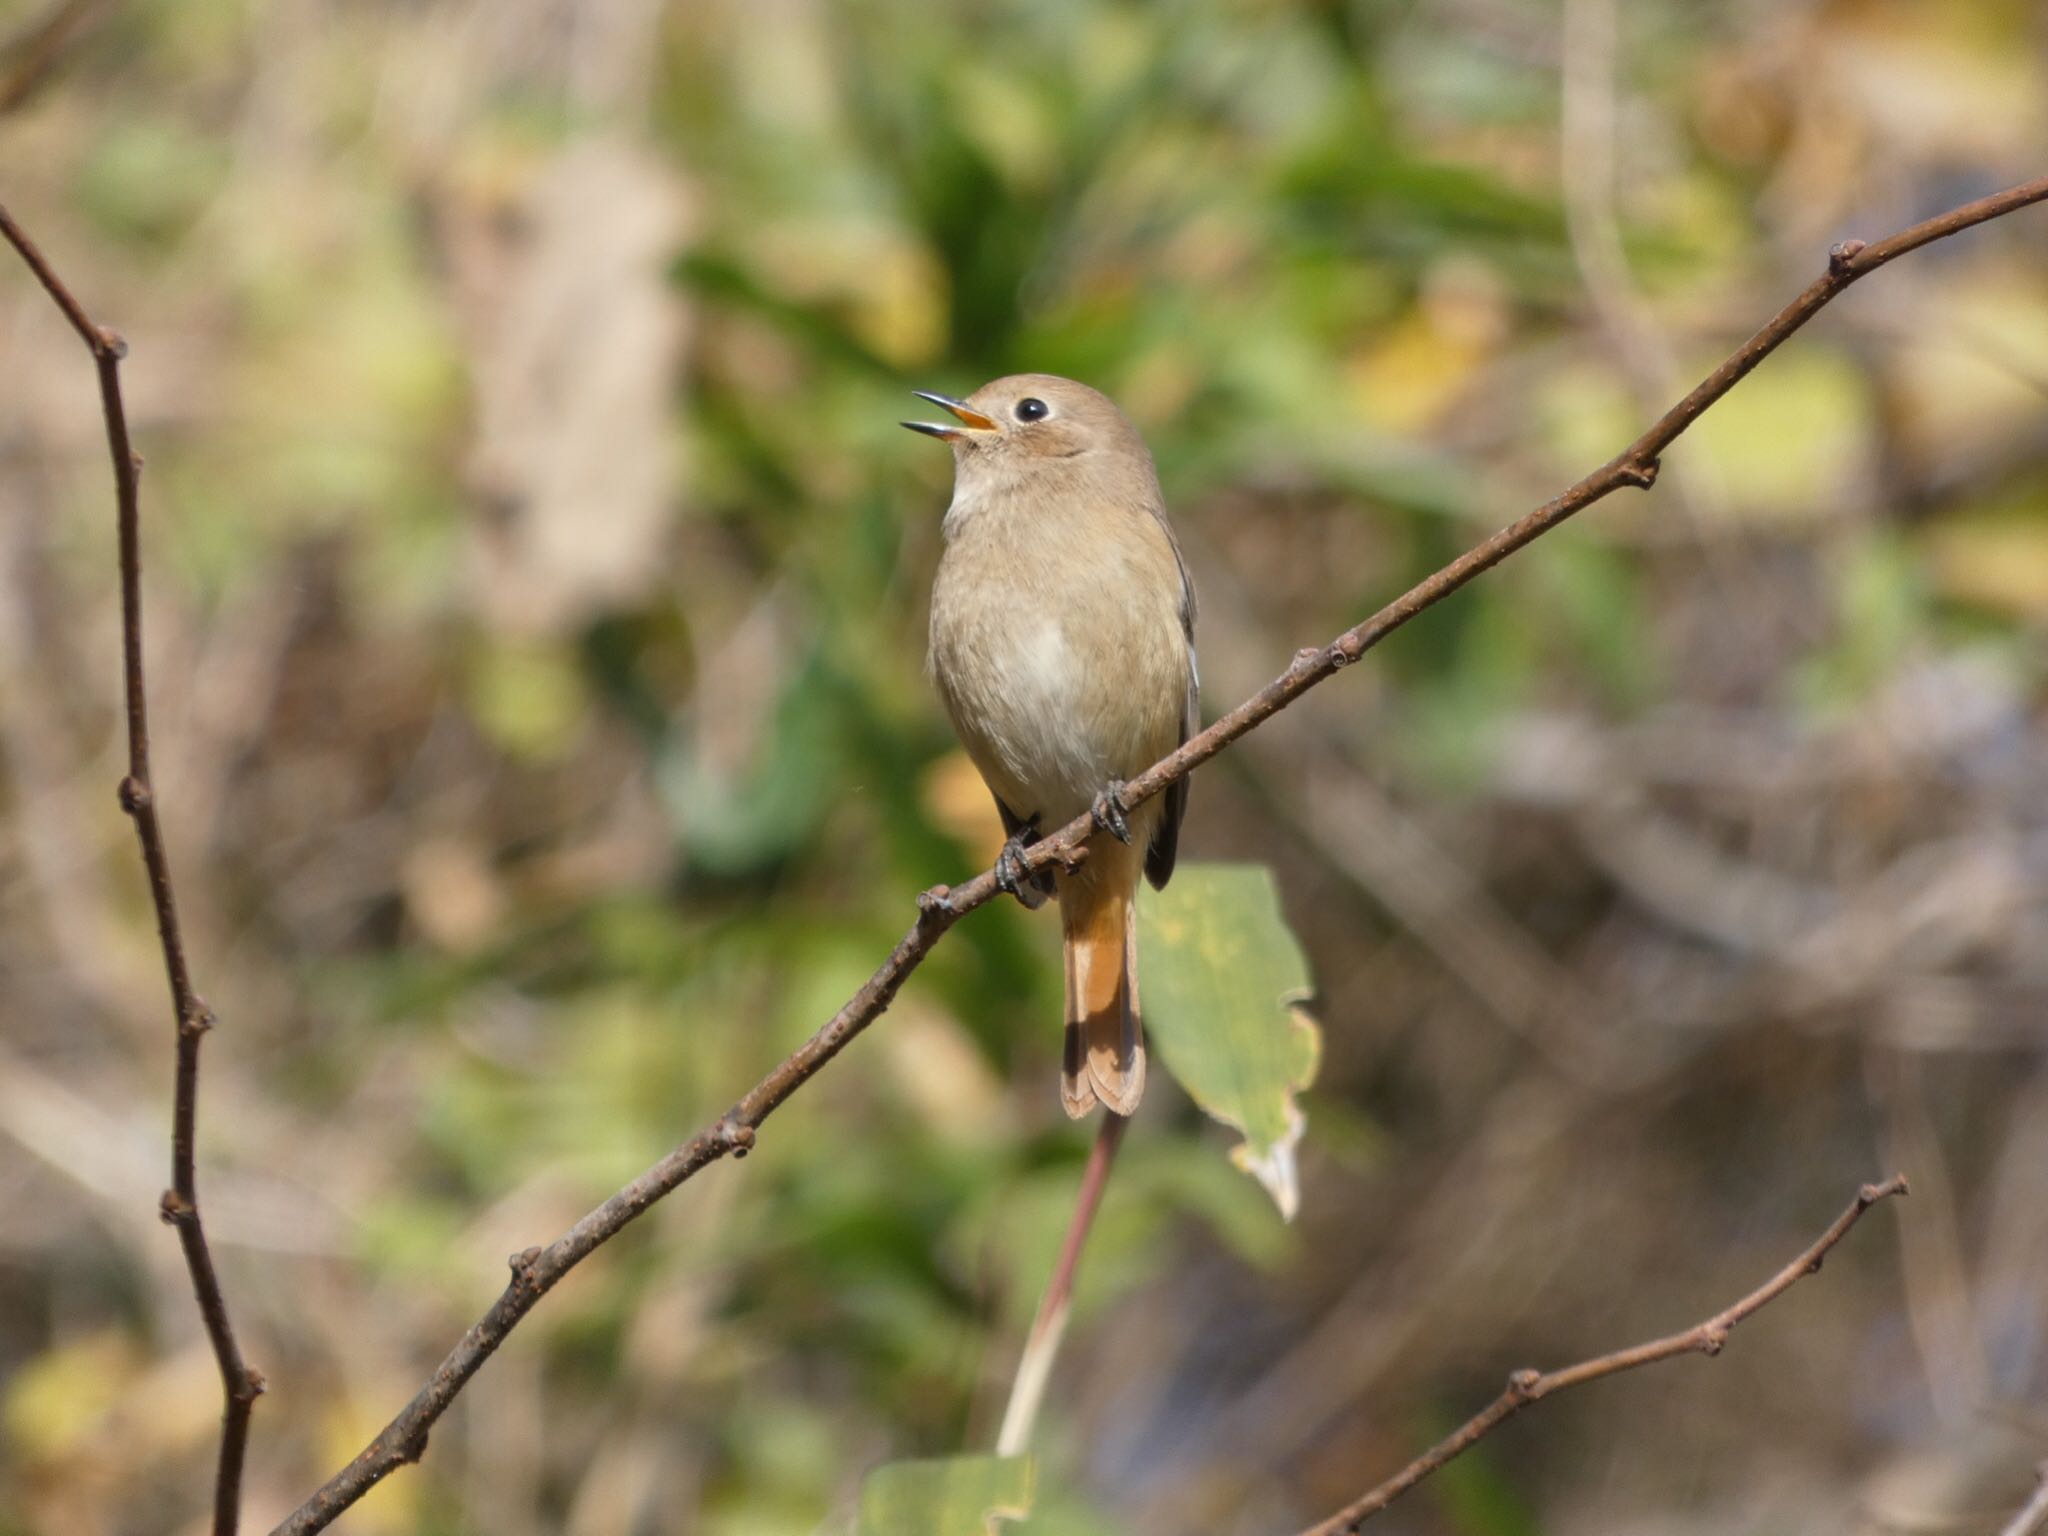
30,56
1526,1387
1042,1344
240,1386
537,1269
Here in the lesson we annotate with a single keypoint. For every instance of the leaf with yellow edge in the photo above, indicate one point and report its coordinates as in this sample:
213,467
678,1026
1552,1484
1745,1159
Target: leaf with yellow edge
1222,983
949,1496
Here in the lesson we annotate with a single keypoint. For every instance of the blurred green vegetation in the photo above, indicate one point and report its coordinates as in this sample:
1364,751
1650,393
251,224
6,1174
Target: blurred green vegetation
537,575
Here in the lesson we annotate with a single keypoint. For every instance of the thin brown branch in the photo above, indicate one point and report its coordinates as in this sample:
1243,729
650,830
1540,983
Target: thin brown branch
1042,1344
536,1270
2032,1516
30,56
240,1386
1526,1387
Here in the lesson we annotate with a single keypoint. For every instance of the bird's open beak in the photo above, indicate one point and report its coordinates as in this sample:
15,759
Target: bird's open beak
966,414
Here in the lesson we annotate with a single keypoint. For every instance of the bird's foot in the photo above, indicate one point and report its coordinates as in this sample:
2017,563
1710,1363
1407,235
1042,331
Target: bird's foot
1108,812
1011,875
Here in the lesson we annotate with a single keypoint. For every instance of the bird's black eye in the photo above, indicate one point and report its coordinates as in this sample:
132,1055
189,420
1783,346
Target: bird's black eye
1032,409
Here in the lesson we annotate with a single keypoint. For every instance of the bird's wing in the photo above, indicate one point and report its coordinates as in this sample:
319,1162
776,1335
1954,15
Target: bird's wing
1165,844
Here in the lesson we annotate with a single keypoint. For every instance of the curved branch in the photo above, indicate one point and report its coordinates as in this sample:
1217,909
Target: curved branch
1526,1387
536,1270
240,1386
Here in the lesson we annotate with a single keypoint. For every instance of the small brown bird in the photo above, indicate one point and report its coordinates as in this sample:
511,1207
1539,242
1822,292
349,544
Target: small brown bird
1062,641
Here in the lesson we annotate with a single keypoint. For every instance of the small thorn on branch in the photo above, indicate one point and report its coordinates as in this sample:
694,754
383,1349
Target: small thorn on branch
1842,256
1640,473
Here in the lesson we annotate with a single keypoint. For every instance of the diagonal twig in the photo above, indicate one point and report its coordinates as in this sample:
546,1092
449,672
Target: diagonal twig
536,1270
30,55
1526,1387
240,1385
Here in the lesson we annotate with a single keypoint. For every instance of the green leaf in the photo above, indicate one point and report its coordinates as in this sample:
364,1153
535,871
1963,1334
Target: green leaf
952,1496
1223,984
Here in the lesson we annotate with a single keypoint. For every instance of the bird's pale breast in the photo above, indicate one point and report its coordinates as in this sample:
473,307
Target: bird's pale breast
1062,661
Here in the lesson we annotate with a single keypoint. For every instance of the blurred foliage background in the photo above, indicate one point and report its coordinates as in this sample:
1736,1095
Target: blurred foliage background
535,587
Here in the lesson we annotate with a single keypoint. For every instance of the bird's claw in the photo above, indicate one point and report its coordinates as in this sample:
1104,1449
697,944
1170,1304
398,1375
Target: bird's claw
1108,812
1011,874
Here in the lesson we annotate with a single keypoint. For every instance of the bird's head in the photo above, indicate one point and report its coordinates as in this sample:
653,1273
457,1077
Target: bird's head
1027,419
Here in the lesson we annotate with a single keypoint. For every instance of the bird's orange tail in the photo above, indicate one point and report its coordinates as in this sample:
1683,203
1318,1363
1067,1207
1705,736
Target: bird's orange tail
1105,1045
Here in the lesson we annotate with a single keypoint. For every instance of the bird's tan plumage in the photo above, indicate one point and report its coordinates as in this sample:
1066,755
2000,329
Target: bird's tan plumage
1062,644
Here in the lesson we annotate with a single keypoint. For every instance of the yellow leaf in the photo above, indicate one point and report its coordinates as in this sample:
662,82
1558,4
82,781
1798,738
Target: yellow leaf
1998,563
64,1396
1790,437
1410,374
957,800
